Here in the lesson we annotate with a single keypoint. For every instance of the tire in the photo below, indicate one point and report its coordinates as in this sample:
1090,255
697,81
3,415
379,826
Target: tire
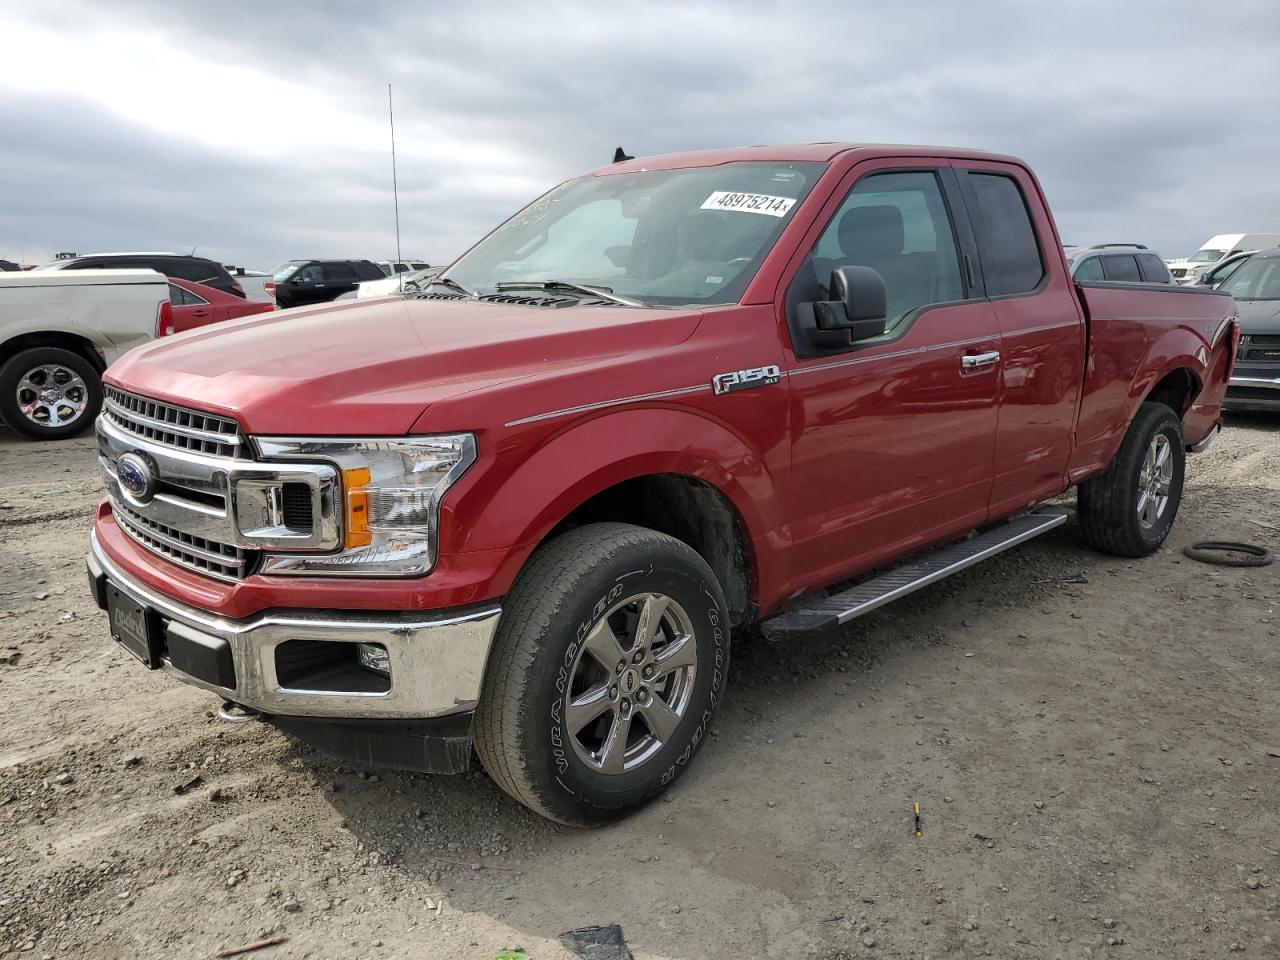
577,592
72,400
1114,515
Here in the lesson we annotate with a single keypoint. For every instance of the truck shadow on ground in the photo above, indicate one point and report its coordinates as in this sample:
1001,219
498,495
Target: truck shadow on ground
437,829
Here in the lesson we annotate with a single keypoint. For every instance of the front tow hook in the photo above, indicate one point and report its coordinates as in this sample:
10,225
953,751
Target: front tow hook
236,712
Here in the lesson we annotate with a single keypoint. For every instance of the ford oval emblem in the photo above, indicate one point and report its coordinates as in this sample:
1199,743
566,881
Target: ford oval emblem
137,477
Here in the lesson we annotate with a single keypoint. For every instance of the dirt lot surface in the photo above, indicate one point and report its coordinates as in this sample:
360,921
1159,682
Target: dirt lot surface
1087,738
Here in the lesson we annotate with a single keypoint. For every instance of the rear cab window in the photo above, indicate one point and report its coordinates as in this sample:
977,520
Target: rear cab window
1004,232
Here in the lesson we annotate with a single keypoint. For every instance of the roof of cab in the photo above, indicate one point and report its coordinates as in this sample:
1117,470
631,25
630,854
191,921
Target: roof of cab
794,153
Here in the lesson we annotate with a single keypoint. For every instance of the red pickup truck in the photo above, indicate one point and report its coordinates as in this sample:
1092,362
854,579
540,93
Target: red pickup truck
523,508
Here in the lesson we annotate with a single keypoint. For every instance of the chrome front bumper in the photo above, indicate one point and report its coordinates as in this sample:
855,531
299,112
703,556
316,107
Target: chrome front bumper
437,660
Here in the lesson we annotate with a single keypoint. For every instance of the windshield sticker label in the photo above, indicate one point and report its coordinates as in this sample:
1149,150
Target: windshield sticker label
749,203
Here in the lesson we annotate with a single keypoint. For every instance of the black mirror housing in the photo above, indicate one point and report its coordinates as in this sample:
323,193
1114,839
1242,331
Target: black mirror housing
862,292
855,313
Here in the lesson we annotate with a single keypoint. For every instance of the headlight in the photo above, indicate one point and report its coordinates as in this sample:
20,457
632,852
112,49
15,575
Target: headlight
391,493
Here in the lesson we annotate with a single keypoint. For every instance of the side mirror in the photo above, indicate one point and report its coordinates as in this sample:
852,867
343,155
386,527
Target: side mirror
856,312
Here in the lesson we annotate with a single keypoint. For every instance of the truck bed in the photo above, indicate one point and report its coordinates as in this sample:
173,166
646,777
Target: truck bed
1137,334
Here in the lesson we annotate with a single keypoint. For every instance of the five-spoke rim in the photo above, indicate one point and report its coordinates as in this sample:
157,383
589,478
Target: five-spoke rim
1155,480
631,683
52,395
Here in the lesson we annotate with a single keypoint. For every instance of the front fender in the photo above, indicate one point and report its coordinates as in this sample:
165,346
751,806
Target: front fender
533,484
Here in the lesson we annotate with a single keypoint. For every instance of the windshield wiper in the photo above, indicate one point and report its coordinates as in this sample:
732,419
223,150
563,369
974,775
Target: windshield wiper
604,293
451,284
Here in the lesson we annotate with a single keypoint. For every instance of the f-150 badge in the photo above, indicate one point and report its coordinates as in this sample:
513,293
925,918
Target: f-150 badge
744,379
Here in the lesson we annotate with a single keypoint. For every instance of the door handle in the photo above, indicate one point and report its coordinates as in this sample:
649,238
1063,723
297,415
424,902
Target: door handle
975,360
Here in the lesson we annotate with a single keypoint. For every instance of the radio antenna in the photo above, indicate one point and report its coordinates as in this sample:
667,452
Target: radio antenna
395,188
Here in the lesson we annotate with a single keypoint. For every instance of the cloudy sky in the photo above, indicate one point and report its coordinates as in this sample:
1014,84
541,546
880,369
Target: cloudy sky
257,132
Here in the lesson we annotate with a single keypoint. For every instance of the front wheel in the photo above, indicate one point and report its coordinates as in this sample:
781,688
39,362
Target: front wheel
607,667
1129,509
49,393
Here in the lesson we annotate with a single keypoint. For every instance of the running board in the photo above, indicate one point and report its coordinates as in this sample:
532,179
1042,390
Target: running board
823,612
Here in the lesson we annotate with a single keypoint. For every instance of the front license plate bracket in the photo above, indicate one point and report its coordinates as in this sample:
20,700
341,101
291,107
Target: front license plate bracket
134,627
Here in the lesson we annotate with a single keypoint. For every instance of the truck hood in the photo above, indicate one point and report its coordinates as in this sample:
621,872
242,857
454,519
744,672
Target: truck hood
1259,316
373,367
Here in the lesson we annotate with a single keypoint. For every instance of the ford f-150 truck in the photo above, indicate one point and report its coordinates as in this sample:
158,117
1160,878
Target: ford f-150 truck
524,507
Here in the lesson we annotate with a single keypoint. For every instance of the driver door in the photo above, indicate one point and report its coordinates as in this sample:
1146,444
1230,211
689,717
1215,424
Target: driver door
894,436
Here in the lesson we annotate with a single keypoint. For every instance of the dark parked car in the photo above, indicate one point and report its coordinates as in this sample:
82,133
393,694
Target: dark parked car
1118,263
1255,381
196,269
300,282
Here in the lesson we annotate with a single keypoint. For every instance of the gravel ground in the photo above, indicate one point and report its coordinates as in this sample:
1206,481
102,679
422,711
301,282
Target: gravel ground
1087,738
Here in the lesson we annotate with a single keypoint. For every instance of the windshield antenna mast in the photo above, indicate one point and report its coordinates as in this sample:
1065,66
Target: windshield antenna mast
395,189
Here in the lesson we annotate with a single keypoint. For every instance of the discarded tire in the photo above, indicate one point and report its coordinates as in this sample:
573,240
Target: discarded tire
1224,553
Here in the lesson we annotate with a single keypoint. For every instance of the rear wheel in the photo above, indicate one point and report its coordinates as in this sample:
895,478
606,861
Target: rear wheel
49,393
608,664
1129,508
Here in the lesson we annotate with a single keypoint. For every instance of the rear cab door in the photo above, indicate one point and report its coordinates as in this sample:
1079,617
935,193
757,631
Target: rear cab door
1022,270
893,436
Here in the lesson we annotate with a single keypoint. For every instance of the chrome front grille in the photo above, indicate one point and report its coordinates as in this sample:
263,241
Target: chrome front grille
195,495
221,560
172,425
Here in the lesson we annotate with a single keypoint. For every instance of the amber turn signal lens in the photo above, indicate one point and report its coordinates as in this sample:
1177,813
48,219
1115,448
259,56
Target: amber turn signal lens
354,482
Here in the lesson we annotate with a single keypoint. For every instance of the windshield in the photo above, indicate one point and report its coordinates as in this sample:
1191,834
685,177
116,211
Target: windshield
282,272
1207,256
696,235
1257,279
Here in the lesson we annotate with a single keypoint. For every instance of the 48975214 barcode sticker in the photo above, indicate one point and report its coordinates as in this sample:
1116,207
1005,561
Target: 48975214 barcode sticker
749,203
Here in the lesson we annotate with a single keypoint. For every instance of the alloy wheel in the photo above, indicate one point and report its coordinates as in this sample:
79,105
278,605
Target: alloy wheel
631,683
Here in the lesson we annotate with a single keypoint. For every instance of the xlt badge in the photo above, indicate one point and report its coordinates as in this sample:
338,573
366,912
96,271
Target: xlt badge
743,379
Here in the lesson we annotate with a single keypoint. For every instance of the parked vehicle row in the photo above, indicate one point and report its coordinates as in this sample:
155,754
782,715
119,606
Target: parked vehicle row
302,282
389,267
671,397
1217,249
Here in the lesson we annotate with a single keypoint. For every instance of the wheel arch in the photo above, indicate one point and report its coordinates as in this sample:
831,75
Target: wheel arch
671,470
75,342
692,511
1177,389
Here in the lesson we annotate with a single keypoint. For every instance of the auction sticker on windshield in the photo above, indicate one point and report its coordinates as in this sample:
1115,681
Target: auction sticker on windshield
749,203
